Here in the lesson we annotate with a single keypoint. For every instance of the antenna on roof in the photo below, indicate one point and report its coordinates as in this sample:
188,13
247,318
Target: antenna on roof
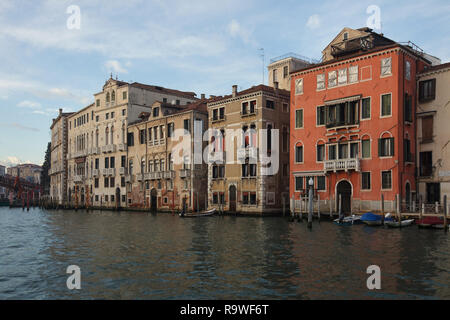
263,62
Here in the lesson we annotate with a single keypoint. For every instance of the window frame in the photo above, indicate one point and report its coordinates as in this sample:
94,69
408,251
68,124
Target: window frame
381,105
382,187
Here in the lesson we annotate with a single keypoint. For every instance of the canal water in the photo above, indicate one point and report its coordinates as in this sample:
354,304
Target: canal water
143,256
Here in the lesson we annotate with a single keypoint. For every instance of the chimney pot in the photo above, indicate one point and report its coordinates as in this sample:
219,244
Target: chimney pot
203,96
60,111
235,90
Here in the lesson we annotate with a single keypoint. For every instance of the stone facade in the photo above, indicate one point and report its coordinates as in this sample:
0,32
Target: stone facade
235,180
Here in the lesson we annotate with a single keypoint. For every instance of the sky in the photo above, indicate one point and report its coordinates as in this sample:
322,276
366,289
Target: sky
52,57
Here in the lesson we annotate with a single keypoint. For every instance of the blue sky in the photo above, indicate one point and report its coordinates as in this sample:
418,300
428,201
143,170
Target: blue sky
204,46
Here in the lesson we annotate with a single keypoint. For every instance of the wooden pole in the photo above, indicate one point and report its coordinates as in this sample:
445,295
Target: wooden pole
318,206
310,207
399,214
445,213
340,207
331,208
422,211
382,208
436,207
198,209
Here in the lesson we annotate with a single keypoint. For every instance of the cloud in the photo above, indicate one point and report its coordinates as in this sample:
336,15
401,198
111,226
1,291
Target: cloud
235,29
313,22
22,127
115,66
29,104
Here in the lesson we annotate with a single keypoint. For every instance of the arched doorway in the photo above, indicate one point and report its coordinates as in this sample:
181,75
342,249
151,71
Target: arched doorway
232,196
344,188
408,195
117,198
153,200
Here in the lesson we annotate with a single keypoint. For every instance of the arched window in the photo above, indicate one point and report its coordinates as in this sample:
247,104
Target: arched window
113,96
299,152
320,151
156,165
366,147
150,166
106,136
112,135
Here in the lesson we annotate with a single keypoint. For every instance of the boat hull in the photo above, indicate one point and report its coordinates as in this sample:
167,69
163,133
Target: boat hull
396,224
198,214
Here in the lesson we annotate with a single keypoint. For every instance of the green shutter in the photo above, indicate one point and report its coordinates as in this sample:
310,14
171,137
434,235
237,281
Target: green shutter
380,150
392,146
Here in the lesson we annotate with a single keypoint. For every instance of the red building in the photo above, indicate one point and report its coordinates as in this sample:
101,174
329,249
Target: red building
353,122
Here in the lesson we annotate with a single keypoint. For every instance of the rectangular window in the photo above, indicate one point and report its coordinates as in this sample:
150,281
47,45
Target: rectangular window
321,183
124,112
122,181
112,162
96,183
321,81
407,150
106,163
299,154
343,151
245,198
98,103
320,152
408,107
285,107
112,182
427,129
222,113
106,182
299,118
285,72
96,163
142,136
124,95
270,104
386,147
365,108
427,90
253,198
353,74
426,164
353,150
386,180
408,70
298,86
342,77
386,105
320,116
170,129
244,109
187,125
155,112
365,181
386,67
365,146
332,152
130,139
332,79
298,183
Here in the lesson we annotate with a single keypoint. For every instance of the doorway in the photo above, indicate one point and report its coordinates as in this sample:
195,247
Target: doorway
153,200
408,196
232,196
344,188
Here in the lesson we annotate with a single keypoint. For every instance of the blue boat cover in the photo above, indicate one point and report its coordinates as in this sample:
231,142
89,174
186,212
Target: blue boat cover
369,216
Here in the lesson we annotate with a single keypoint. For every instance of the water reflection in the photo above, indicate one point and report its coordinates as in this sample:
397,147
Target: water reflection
143,256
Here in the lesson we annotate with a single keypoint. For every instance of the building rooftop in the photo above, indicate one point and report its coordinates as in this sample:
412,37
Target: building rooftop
294,56
257,88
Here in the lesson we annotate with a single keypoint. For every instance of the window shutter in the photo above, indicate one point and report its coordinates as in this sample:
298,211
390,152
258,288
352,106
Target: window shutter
380,150
391,146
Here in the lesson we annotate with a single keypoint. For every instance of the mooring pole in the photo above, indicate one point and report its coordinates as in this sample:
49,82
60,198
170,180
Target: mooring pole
310,202
340,206
399,213
318,206
331,209
445,213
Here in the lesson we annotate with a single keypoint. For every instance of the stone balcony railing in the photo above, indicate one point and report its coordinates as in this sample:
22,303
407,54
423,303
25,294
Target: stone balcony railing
109,148
248,152
78,179
341,165
169,175
122,147
123,171
217,156
95,172
109,172
185,173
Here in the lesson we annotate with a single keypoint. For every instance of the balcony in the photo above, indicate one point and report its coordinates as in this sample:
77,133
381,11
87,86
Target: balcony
217,156
185,173
78,179
248,113
109,148
341,165
128,178
248,152
122,147
169,175
148,176
95,172
123,171
158,175
140,177
218,119
109,172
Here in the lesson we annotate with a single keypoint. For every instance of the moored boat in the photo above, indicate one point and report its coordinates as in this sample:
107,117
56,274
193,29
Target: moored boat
431,222
396,224
348,221
372,219
198,214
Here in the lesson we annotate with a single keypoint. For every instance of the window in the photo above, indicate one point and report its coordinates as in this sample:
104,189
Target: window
112,182
320,116
407,104
427,129
321,183
96,183
107,116
386,180
164,100
187,125
96,163
274,74
112,162
345,36
426,164
155,112
106,182
142,136
285,140
407,150
298,86
353,74
298,154
106,163
112,115
299,118
124,112
386,105
253,106
353,150
386,147
427,90
332,79
298,183
365,149
122,181
408,70
285,107
386,67
178,102
244,109
248,169
343,151
218,171
130,139
123,161
342,114
365,108
320,152
270,104
253,198
365,185
245,198
285,72
170,129
342,79
124,95
332,152
97,103
222,113
321,81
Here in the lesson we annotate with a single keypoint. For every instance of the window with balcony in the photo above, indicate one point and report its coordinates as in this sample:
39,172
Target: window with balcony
353,150
248,169
332,154
343,151
342,114
386,180
320,116
386,147
427,90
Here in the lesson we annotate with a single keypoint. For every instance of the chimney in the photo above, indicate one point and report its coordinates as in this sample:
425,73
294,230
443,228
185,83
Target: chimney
234,90
275,84
203,96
